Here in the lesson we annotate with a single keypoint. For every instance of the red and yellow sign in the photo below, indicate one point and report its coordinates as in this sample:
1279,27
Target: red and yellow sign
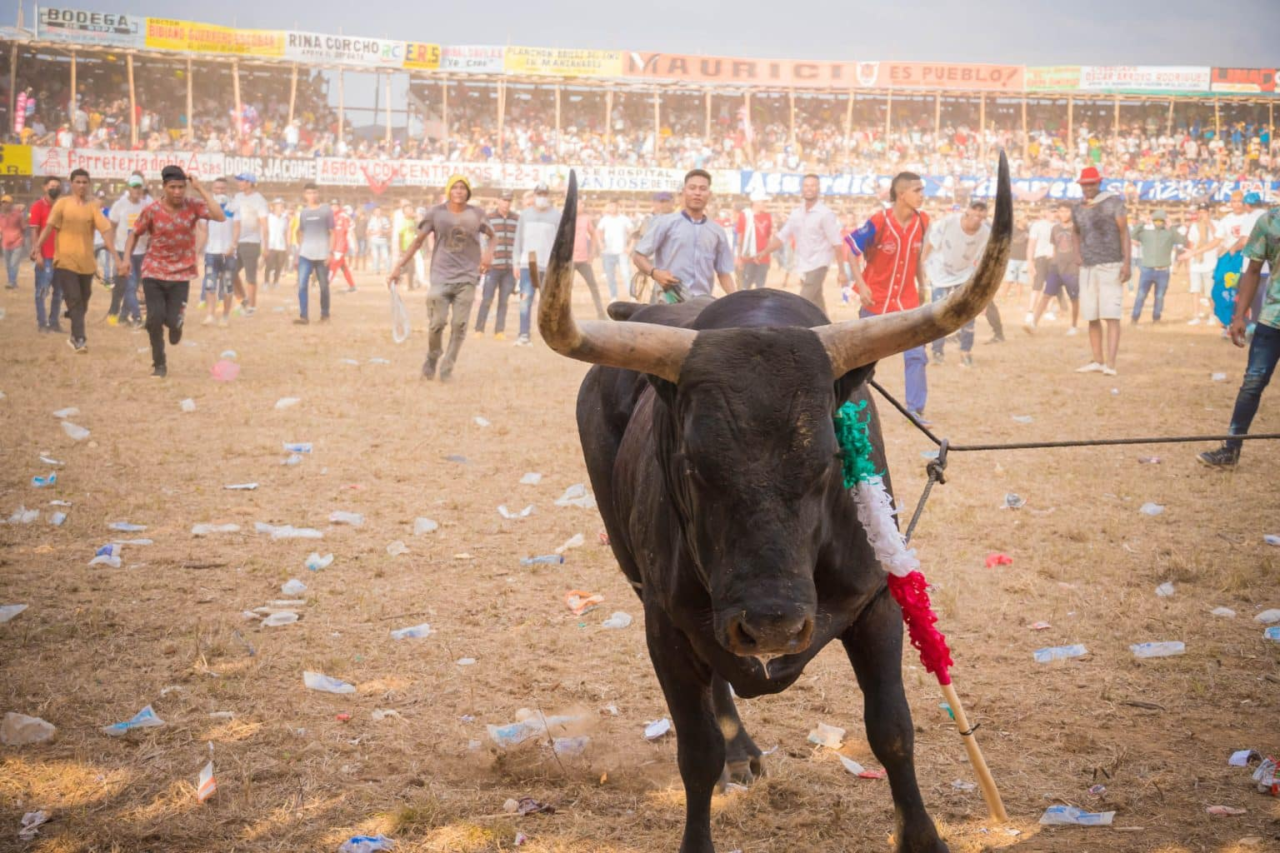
941,75
193,37
421,56
1243,80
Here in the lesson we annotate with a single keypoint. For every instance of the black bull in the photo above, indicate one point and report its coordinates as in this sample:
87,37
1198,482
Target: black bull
718,476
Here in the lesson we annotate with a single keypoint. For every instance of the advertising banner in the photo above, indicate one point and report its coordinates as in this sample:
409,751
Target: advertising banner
1244,81
563,62
1053,78
472,59
59,162
421,56
271,170
319,49
194,37
15,160
1144,79
941,75
738,70
77,25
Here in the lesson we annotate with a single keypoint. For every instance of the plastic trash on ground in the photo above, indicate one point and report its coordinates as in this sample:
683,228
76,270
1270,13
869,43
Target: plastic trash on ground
508,514
8,611
1269,538
852,766
241,487
577,495
1224,612
283,617
829,736
379,361
1072,816
580,601
396,548
994,560
570,747
293,587
413,632
528,725
315,562
49,460
1149,508
1265,777
1039,626
617,620
224,370
576,541
297,447
31,823
1023,419
21,730
47,480
1272,633
532,478
423,526
1225,811
1242,757
1218,377
657,729
206,529
1158,650
1268,617
74,432
481,422
366,844
207,786
286,402
22,515
548,559
287,531
401,325
144,719
1013,501
187,405
68,412
126,527
326,683
1046,655
291,459
107,555
339,516
1165,590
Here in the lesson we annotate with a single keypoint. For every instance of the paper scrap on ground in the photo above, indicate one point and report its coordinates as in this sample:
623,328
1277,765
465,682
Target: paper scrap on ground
74,432
481,422
293,587
354,519
508,514
656,729
1072,816
8,611
618,620
325,683
423,526
532,478
577,495
206,529
580,601
68,412
413,632
285,402
144,719
576,541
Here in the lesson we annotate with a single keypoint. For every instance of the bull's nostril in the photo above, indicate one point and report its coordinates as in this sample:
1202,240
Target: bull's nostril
741,635
804,635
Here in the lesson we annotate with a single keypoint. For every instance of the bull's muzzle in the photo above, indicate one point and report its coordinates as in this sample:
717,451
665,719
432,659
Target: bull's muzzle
777,631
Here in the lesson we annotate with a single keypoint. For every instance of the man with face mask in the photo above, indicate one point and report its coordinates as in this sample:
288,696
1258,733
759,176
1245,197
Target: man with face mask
535,232
124,213
44,262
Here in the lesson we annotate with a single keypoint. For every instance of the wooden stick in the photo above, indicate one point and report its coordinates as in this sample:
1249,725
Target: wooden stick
293,91
995,806
133,104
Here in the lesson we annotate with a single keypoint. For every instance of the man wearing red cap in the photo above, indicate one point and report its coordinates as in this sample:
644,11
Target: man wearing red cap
1102,226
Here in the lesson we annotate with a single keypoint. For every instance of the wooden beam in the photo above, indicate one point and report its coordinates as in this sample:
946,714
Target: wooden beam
1217,119
502,117
444,115
848,116
191,119
559,133
982,125
706,134
1168,124
388,107
888,115
608,117
657,125
1026,132
13,84
791,100
937,119
1115,120
342,104
235,86
1071,140
293,91
133,103
71,104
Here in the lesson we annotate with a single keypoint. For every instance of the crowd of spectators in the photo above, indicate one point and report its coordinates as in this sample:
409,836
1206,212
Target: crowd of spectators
811,133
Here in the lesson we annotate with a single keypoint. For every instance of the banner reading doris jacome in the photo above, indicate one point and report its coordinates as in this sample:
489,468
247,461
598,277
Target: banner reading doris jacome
195,37
558,62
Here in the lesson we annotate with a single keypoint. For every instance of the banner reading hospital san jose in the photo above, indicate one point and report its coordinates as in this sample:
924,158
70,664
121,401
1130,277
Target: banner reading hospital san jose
103,28
344,50
195,37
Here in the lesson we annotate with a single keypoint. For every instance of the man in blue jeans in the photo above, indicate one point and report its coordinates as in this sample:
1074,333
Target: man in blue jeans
39,216
536,233
1158,242
315,243
1262,247
215,242
951,252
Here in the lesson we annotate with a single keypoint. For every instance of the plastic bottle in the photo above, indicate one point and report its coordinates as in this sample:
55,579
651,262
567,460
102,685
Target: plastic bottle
284,617
1060,653
412,633
355,519
1158,650
297,447
549,559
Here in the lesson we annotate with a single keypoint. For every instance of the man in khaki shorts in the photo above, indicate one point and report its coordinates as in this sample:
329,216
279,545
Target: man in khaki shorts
1102,227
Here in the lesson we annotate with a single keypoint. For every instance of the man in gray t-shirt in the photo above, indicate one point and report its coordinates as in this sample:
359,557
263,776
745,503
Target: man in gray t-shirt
458,259
1102,228
315,242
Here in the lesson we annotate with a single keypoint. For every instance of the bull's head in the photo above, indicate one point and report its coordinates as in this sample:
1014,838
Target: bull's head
754,465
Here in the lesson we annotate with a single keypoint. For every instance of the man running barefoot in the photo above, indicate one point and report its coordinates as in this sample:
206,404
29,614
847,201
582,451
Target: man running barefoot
170,263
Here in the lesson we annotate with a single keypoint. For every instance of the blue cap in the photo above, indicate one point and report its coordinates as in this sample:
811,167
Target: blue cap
1252,199
663,197
245,176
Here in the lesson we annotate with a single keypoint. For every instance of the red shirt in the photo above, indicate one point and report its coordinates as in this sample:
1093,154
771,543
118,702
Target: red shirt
11,228
892,253
341,227
171,256
764,230
39,218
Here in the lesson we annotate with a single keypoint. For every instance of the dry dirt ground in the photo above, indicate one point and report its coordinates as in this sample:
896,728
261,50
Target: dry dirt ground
97,644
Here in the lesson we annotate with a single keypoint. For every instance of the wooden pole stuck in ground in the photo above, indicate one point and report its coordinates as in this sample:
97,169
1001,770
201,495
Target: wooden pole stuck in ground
990,793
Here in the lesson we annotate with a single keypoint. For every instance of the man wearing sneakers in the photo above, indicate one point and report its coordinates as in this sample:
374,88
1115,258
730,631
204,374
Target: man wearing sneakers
457,263
536,232
47,290
1102,226
315,244
251,212
75,219
124,213
170,263
1040,251
1158,242
216,242
1063,271
1262,247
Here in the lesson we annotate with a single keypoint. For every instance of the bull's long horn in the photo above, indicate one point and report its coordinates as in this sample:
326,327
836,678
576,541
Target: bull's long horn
642,347
857,342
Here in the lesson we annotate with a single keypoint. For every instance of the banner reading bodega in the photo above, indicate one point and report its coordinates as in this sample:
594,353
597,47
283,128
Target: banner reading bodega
90,27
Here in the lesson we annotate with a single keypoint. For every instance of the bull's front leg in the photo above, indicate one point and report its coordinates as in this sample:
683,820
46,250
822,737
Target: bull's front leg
874,646
686,683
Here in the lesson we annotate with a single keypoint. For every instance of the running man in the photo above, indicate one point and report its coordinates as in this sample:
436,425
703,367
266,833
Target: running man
815,232
251,212
124,214
687,252
457,263
340,253
315,241
216,241
76,219
170,263
889,244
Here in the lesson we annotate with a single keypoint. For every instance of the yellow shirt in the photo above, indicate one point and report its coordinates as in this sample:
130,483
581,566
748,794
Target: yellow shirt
75,221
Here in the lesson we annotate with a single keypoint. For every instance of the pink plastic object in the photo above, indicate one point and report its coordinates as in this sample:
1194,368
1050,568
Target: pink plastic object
224,371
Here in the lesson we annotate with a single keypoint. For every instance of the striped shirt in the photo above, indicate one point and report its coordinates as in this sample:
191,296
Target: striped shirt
504,230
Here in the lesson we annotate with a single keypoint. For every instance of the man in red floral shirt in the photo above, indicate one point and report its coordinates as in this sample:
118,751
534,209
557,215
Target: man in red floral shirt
170,262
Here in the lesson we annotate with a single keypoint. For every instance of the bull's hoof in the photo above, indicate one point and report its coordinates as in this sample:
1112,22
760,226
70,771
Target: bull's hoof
925,841
742,771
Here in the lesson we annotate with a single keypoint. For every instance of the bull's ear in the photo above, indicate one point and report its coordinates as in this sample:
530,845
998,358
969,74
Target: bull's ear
665,389
849,383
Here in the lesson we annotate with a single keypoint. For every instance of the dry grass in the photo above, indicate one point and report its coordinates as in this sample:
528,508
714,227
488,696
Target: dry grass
98,644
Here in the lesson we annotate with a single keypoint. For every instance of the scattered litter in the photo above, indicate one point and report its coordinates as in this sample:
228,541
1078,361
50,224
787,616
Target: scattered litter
1269,538
508,514
207,786
379,361
57,519
532,478
1165,590
577,495
135,542
126,527
528,805
1158,650
241,487
351,361
1224,811
618,620
1072,816
342,718
551,559
287,531
41,482
355,519
1242,758
1268,617
422,526
297,447
466,661
1218,377
1272,633
529,724
1098,790
946,706
144,719
1224,612
580,601
1151,508
187,405
326,683
293,587
74,432
396,548
315,562
576,541
49,460
481,422
1149,460
292,459
1059,653
107,555
8,611
1013,501
380,714
206,529
224,371
570,747
67,504
21,730
994,560
31,823
22,515
366,844
284,617
1040,626
1265,777
68,412
454,457
829,736
852,766
412,633
1023,419
285,402
656,729
962,785
929,454
221,715
227,353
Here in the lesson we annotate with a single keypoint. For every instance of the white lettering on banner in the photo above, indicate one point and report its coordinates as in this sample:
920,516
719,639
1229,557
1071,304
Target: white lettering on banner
344,50
475,59
1144,78
59,162
272,170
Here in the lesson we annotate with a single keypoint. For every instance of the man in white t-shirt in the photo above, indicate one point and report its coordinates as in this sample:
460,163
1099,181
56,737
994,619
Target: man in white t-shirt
216,242
124,295
615,236
1204,238
951,252
1040,253
278,223
251,212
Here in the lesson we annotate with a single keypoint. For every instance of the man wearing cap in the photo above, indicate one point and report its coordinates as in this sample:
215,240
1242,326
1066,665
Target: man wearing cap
12,237
124,213
687,252
535,233
501,277
615,240
1102,225
1158,242
457,263
277,242
754,228
250,213
816,234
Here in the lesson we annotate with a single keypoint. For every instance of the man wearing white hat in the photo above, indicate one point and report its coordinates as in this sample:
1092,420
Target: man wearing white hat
754,227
